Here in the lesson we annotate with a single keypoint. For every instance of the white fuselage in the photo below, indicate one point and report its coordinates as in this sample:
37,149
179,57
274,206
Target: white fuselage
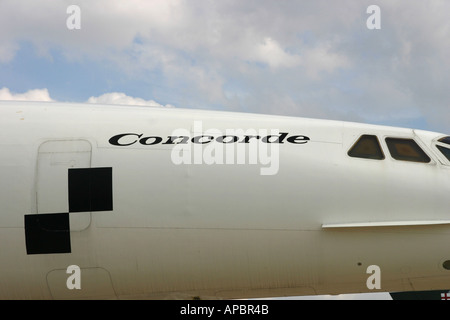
312,225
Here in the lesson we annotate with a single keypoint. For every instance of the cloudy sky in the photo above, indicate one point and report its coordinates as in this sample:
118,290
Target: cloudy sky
309,58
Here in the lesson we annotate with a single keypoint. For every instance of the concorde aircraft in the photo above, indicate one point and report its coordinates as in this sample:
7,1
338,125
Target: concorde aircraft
174,203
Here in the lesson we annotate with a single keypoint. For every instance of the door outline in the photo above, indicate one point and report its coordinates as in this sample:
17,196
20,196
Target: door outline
54,159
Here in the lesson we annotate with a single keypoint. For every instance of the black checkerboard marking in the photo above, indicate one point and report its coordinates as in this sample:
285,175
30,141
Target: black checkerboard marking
90,190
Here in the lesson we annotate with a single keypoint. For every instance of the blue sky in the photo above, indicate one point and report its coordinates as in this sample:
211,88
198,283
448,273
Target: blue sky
299,58
69,80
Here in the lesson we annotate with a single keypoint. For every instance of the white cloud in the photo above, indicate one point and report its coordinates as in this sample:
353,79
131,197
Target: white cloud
271,53
107,98
323,59
31,95
123,99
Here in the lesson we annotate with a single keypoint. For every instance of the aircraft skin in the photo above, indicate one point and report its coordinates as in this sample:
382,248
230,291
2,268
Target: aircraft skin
153,229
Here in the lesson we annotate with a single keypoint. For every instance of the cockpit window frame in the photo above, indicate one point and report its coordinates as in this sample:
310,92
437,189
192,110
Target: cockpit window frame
422,155
440,148
377,155
445,140
442,142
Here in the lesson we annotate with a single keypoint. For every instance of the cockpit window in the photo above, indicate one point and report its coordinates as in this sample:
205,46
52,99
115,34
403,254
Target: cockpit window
406,150
445,151
445,140
367,147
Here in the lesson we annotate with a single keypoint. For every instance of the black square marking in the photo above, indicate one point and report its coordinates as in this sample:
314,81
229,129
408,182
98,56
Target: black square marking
90,189
47,233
